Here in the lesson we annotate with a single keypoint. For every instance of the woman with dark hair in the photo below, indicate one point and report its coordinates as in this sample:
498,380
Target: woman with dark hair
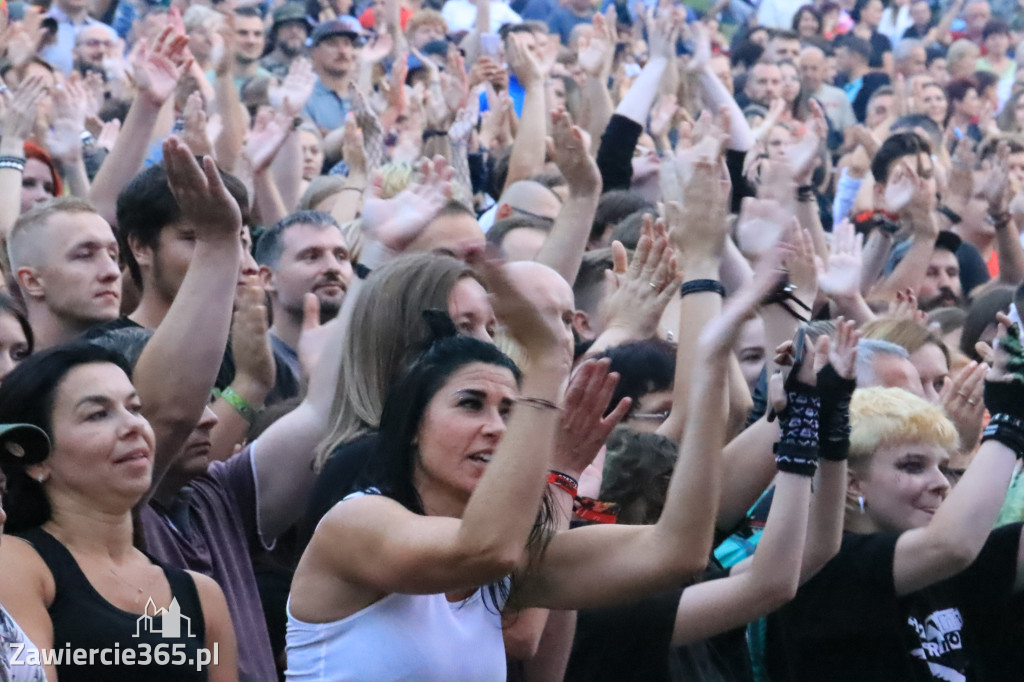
454,511
867,16
646,370
964,109
72,578
15,335
807,23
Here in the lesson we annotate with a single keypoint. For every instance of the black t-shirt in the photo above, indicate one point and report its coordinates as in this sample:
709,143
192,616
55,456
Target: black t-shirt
880,44
129,338
342,474
634,642
847,623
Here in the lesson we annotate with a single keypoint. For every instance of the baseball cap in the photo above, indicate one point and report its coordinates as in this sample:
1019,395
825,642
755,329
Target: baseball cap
292,11
23,444
342,26
947,240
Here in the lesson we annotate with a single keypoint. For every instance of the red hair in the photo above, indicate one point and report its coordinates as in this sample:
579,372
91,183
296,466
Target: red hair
34,151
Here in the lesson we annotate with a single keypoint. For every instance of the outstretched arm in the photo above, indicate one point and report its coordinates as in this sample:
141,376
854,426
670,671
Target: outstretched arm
176,371
528,150
157,71
958,530
563,249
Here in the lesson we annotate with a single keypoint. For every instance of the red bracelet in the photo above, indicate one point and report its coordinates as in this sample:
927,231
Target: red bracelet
563,481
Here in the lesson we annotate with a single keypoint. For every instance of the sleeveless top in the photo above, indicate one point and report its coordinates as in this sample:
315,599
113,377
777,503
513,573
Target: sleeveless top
421,637
84,621
413,637
17,653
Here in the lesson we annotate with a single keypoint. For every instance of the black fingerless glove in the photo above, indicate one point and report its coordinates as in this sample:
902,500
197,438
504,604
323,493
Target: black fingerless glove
797,450
834,419
1005,400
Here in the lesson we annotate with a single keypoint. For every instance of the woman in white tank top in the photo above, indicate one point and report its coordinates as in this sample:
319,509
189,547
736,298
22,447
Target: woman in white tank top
410,583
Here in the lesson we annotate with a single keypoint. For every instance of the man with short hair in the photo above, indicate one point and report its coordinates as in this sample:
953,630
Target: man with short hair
249,43
782,45
305,253
64,257
71,16
882,363
334,47
287,38
93,44
910,58
976,14
764,85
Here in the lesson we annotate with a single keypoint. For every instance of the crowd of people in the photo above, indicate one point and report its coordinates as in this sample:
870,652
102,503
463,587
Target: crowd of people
532,340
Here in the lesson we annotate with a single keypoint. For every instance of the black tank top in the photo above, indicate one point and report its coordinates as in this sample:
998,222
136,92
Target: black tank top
84,620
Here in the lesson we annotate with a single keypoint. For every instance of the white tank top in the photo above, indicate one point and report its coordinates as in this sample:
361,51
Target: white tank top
424,638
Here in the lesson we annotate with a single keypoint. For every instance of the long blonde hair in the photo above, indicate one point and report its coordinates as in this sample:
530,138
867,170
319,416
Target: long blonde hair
387,328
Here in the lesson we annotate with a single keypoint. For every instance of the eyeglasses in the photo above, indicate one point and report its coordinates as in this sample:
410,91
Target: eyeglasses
94,42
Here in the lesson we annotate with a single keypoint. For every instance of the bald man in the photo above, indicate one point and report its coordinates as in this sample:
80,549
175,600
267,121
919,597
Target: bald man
550,292
525,198
64,257
832,99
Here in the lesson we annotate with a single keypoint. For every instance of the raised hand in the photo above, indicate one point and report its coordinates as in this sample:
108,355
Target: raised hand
996,187
761,224
20,115
377,48
70,104
264,141
572,156
396,222
194,134
205,202
841,350
635,300
702,52
904,307
541,335
455,82
663,35
662,115
596,52
908,194
523,64
291,96
799,261
157,69
353,149
699,232
108,134
583,428
24,37
250,345
840,278
962,398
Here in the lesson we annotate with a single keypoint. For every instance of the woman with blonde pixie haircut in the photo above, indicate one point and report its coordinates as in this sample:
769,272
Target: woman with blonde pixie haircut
922,585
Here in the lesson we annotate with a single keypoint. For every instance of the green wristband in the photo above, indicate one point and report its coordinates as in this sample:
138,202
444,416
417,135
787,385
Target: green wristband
235,400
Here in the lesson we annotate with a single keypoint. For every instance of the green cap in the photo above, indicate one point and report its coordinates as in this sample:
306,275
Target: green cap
292,11
22,444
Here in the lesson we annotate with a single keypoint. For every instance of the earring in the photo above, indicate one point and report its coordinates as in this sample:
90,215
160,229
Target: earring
860,503
40,478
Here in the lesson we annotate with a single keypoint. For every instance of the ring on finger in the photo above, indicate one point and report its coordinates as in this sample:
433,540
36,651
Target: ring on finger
972,402
652,285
